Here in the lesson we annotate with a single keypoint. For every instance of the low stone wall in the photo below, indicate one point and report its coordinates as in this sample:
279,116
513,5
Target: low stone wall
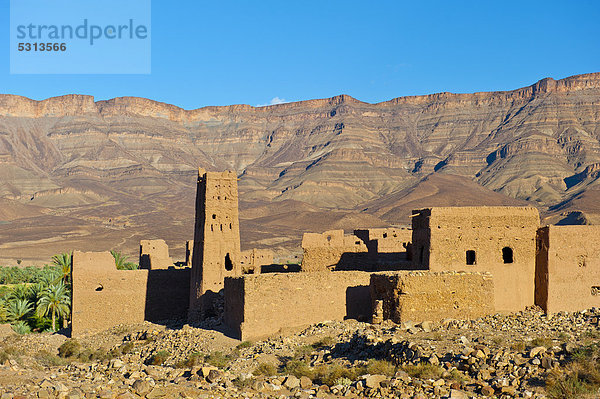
420,296
567,274
103,296
261,305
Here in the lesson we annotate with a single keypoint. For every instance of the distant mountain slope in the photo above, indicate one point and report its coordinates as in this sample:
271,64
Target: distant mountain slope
131,159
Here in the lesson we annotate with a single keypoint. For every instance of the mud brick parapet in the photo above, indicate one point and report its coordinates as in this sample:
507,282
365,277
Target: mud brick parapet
568,268
495,239
103,296
421,296
260,305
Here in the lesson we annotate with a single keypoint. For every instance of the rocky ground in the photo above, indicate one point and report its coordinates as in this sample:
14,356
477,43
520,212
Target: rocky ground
527,355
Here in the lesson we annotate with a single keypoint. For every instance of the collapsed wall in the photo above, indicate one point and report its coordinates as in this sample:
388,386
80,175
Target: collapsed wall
420,296
260,305
499,240
568,268
252,260
366,250
330,249
154,254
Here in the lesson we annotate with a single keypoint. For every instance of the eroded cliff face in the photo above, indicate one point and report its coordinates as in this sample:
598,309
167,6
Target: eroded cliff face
539,143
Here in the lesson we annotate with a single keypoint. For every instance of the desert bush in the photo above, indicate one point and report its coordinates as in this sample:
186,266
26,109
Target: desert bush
219,359
324,342
266,369
243,383
424,371
21,328
380,367
518,346
243,345
298,368
69,348
302,351
47,359
541,341
330,375
127,347
159,358
85,355
192,360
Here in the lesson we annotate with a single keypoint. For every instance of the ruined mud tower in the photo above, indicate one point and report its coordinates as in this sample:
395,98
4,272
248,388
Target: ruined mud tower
216,251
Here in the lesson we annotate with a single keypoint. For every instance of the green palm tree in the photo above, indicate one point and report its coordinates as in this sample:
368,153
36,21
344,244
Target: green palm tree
20,291
56,300
121,261
63,261
17,309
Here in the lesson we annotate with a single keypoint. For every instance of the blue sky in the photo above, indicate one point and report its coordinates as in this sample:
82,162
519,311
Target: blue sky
251,52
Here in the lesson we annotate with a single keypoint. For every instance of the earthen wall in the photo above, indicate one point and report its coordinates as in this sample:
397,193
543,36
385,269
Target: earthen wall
420,296
103,296
260,305
568,268
499,240
154,254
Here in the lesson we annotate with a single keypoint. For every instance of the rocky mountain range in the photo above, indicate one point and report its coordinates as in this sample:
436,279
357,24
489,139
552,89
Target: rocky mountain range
95,175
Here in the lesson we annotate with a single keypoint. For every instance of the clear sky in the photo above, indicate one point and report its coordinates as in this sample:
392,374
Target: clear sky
252,52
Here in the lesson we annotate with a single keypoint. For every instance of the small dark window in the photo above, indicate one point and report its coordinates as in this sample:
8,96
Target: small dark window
211,228
357,242
507,255
221,227
100,287
214,216
228,263
328,238
229,226
471,258
384,235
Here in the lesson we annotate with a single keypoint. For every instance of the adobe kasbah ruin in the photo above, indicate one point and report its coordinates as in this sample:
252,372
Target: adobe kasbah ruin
457,262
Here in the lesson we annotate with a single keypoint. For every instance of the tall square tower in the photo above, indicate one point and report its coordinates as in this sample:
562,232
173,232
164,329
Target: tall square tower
216,252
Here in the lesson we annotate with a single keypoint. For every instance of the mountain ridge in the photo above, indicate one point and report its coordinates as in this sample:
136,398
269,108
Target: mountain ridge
123,169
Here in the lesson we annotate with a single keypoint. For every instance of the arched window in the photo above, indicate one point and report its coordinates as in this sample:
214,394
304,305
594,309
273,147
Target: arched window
228,263
471,258
507,255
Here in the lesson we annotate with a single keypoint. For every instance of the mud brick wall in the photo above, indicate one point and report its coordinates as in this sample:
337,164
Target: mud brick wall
252,259
499,240
386,240
568,268
420,296
103,296
260,305
154,254
322,252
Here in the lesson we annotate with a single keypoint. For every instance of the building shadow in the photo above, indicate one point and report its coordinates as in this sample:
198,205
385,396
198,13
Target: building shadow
167,296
